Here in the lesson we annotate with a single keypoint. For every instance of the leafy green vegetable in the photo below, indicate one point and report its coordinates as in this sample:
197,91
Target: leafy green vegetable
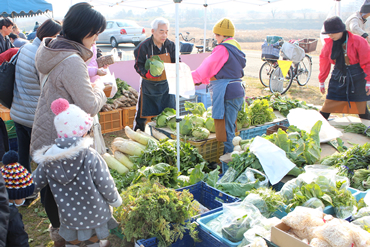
210,125
197,121
284,104
358,128
361,179
273,200
213,177
171,122
161,119
195,108
186,126
260,112
242,120
166,174
155,65
200,133
151,210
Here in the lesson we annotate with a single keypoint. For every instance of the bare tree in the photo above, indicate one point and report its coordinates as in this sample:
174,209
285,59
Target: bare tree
274,11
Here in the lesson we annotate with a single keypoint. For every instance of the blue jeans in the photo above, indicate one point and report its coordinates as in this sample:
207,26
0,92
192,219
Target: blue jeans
232,106
24,141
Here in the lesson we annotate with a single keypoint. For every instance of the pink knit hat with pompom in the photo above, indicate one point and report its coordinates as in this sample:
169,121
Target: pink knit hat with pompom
70,120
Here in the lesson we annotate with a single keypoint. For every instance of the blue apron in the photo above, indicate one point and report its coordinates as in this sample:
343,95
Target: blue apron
217,90
348,87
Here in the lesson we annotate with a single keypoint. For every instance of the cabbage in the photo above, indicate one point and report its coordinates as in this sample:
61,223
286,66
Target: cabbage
239,125
200,133
185,126
161,119
197,121
210,125
195,108
155,65
171,123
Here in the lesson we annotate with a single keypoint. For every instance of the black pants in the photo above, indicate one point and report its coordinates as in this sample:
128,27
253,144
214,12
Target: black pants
51,208
139,122
17,236
24,141
363,116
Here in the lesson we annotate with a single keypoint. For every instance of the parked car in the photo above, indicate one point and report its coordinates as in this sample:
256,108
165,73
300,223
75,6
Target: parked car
122,31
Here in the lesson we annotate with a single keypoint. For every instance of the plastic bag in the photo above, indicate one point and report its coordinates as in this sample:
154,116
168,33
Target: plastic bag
362,213
238,218
228,177
363,222
251,175
216,224
344,212
99,143
271,157
292,52
314,203
344,181
306,119
109,80
202,209
256,232
288,188
335,232
257,201
303,217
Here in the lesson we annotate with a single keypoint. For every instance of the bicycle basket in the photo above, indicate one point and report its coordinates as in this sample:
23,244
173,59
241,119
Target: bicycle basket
270,51
273,39
292,52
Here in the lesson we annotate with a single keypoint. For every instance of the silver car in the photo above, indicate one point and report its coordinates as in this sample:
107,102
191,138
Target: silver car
122,31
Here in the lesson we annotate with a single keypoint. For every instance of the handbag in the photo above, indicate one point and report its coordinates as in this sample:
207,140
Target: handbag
7,80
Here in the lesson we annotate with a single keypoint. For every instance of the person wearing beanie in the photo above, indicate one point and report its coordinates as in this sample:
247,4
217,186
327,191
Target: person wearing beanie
19,184
71,166
349,84
356,22
222,72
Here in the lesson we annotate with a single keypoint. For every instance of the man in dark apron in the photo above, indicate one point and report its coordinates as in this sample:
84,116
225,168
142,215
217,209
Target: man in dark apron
153,95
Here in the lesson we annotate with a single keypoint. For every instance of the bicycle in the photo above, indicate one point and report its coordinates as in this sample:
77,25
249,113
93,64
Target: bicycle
208,48
186,38
271,76
301,72
186,47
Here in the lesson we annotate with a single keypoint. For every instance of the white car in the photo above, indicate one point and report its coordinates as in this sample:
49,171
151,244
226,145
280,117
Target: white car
122,31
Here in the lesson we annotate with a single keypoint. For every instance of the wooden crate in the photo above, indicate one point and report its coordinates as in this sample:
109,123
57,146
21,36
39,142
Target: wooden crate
4,113
128,116
110,121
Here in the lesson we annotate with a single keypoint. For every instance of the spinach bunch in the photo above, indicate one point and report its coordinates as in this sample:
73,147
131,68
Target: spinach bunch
260,112
284,104
358,128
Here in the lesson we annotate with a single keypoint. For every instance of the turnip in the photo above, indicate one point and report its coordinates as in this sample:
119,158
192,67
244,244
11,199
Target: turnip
114,164
237,148
234,154
236,140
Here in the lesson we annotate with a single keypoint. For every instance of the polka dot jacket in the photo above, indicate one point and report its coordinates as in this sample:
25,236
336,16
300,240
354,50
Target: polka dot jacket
80,181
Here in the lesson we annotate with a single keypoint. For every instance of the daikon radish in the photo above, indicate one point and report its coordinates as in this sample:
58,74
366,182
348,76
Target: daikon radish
136,136
126,148
146,134
123,159
114,164
160,136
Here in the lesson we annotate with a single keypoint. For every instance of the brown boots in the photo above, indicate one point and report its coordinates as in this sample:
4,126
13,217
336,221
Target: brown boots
54,235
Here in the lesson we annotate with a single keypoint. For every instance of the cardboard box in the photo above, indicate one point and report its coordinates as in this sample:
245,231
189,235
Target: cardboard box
280,237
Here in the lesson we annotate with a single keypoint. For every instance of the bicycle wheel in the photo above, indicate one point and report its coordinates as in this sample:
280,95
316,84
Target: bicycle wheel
279,84
304,70
265,72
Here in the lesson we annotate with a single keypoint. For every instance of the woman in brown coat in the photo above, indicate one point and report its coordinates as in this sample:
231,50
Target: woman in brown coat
64,74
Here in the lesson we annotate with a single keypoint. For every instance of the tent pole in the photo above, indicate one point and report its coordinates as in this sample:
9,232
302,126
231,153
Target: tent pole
205,25
177,46
337,8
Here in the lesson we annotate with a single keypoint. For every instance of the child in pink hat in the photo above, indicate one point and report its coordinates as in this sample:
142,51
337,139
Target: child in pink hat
79,179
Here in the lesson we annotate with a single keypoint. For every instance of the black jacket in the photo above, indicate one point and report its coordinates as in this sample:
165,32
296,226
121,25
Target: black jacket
147,48
5,43
4,212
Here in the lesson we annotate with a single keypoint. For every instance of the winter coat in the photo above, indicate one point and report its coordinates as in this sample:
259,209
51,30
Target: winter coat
69,80
5,43
80,181
355,24
4,212
27,86
358,51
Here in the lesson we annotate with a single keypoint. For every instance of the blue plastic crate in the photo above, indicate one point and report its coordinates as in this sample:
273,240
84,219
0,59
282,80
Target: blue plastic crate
204,220
13,144
209,197
260,130
206,240
204,97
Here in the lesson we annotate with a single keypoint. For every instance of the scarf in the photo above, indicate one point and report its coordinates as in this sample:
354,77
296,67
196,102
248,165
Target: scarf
337,53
